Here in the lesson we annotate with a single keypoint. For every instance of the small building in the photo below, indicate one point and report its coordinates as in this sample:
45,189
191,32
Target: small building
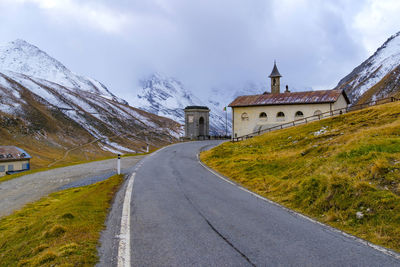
197,122
253,113
13,159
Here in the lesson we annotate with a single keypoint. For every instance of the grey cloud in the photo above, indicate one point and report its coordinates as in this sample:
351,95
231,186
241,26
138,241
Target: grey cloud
207,44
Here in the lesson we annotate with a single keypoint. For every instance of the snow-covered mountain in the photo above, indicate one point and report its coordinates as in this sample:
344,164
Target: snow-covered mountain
377,77
167,97
22,57
52,103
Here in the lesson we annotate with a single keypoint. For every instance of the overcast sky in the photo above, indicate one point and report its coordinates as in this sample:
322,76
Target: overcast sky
204,43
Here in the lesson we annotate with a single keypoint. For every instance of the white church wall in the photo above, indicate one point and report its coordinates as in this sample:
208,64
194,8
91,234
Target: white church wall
253,122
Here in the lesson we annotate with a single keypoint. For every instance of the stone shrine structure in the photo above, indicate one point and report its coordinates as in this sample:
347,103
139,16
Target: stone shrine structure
197,122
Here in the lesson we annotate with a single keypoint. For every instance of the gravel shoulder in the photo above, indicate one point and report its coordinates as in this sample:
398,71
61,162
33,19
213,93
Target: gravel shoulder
15,193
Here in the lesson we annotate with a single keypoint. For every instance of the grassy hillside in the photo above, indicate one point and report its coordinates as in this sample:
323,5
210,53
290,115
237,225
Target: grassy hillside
47,149
62,229
46,129
47,142
330,170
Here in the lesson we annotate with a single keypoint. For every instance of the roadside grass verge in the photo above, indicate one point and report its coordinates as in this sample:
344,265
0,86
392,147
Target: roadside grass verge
343,171
60,229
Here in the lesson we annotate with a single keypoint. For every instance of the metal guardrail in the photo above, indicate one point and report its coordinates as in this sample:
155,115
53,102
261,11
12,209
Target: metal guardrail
324,115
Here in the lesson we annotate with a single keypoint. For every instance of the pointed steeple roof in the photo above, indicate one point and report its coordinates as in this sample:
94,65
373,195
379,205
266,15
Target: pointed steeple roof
275,72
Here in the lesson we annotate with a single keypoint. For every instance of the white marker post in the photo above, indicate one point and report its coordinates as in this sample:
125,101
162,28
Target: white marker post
119,165
147,148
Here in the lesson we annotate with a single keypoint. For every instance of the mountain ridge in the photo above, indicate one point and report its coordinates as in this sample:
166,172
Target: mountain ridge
376,77
56,116
22,57
166,96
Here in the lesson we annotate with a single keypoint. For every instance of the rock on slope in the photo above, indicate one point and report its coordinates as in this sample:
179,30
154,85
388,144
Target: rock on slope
377,77
166,96
41,98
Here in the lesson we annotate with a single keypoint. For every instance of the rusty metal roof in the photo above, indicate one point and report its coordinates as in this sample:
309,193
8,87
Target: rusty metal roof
10,153
310,97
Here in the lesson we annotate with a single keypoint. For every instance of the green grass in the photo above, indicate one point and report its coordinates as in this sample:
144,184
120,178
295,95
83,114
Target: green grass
61,229
354,166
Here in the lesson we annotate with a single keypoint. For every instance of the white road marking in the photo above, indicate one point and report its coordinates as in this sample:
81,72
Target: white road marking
124,248
359,240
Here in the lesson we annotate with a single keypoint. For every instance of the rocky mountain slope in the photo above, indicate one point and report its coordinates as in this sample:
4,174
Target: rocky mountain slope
21,57
44,106
377,77
166,96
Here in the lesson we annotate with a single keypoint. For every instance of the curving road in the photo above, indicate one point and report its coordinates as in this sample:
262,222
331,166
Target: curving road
181,214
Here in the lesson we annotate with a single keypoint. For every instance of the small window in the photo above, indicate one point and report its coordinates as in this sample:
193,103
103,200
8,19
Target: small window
280,116
263,116
10,167
245,117
274,81
2,168
299,114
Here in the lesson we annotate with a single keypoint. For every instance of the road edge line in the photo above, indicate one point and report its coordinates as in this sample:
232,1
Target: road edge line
124,246
383,250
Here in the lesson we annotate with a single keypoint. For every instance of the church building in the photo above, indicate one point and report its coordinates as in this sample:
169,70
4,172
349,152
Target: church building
253,113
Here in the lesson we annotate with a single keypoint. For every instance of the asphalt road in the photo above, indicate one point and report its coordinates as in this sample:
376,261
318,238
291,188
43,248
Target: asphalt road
183,215
14,194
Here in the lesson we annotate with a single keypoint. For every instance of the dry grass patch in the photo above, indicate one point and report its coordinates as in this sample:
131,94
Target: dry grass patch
352,167
63,228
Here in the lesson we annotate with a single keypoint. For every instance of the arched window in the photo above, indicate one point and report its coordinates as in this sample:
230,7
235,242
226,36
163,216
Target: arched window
245,117
280,116
263,116
273,81
299,114
318,112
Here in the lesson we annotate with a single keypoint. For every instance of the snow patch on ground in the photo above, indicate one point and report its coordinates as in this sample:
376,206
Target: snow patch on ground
321,131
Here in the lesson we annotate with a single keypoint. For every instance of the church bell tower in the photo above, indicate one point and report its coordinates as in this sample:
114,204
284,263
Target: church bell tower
275,80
